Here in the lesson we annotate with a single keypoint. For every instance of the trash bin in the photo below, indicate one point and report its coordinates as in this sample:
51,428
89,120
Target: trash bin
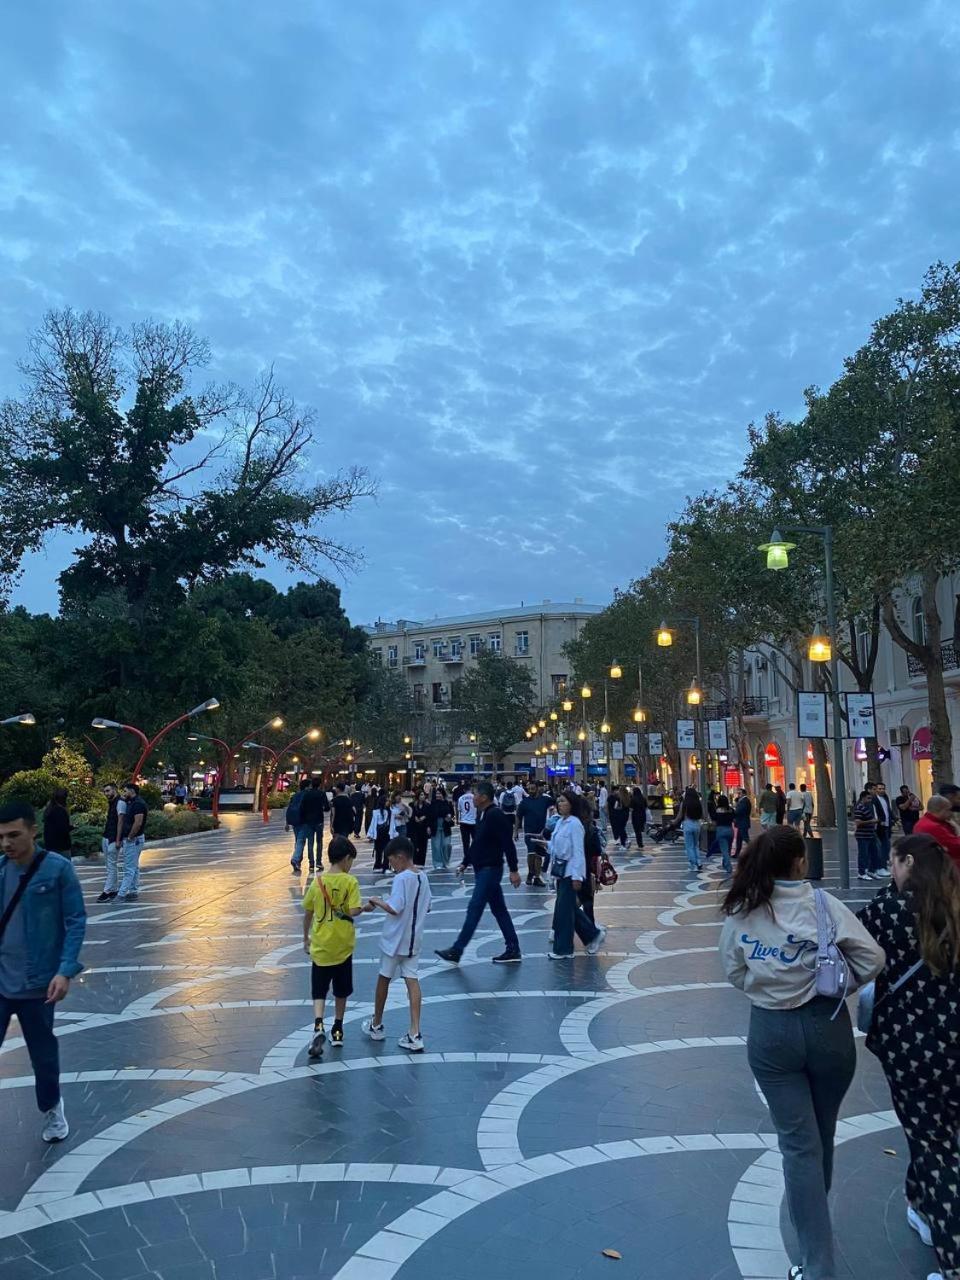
814,857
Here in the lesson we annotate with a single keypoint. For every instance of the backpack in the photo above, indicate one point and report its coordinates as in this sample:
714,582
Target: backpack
293,809
833,977
508,802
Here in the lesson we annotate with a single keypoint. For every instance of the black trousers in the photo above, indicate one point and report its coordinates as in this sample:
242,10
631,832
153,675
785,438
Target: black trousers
36,1023
639,821
466,835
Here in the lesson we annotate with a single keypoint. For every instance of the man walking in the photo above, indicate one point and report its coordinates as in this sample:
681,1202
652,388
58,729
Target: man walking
794,805
132,836
881,803
357,800
467,818
42,923
312,808
492,843
807,813
532,819
767,804
341,819
110,844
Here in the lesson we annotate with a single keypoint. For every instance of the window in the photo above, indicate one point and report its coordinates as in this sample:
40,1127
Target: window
476,646
419,697
522,645
437,689
392,655
774,679
493,640
378,655
919,622
437,648
559,685
456,647
419,649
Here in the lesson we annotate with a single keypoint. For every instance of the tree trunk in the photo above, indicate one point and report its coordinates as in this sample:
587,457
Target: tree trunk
930,656
826,809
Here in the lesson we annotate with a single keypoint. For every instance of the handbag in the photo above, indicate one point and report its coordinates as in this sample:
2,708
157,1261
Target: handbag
832,976
867,1001
20,890
607,873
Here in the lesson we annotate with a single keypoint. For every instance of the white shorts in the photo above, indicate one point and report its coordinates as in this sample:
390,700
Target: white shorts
406,966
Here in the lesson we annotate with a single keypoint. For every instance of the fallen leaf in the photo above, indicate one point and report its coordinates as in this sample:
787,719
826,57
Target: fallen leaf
611,1253
889,1151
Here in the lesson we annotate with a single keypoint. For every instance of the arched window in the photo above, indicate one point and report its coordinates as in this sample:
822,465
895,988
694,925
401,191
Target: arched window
919,622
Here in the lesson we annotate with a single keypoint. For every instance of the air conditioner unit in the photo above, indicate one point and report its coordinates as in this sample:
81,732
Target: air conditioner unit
900,736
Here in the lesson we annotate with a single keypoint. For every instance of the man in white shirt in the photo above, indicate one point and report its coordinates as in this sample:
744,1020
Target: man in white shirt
794,805
467,818
603,795
406,911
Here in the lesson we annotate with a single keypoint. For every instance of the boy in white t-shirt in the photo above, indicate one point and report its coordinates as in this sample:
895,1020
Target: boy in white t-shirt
406,910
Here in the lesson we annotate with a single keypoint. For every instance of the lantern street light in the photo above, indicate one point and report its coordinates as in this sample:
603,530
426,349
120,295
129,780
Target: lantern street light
566,705
665,640
26,718
823,649
664,636
694,695
616,671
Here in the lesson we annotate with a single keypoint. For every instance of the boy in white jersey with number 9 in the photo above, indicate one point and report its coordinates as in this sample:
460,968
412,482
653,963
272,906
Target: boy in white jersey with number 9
406,910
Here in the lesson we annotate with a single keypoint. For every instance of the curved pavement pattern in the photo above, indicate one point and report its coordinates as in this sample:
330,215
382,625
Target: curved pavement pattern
562,1107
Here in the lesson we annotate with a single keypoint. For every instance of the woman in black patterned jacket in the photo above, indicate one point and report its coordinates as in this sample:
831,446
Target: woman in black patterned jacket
916,1032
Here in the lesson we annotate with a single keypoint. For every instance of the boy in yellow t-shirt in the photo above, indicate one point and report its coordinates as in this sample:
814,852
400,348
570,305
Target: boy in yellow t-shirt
329,937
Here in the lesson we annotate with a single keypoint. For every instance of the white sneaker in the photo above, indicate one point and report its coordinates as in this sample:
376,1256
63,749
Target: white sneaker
882,874
864,875
554,955
55,1127
935,1275
375,1033
594,946
920,1225
412,1044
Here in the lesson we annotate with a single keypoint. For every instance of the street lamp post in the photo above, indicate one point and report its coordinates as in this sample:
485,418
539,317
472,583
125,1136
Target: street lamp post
311,734
664,641
26,718
585,693
778,557
149,745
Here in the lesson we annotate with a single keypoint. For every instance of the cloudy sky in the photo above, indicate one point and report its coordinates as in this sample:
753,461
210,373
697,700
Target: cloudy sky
537,264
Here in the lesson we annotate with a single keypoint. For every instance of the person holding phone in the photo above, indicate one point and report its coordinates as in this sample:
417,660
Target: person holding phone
568,866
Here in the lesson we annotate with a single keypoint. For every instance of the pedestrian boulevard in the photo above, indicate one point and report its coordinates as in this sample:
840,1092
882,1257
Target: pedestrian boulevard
561,1109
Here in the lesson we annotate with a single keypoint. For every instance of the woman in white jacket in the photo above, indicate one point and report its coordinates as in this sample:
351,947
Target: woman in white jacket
800,1045
568,866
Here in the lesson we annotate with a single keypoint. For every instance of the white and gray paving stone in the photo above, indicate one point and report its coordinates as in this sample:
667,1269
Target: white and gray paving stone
561,1108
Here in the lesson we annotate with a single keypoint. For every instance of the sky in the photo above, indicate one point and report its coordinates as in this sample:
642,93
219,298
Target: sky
535,264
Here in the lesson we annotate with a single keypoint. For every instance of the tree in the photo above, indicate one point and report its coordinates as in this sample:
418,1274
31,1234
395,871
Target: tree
495,700
383,716
166,484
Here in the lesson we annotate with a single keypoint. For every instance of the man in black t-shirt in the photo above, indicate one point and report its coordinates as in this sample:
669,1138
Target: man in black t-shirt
532,817
110,843
310,833
341,823
132,836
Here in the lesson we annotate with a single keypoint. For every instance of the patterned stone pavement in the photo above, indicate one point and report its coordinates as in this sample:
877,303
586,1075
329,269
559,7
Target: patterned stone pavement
561,1108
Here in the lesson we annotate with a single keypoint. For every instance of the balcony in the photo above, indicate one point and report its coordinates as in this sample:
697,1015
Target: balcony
452,658
415,661
756,708
752,707
948,656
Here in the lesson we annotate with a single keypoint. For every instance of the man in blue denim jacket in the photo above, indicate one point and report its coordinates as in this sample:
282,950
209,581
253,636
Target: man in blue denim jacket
39,951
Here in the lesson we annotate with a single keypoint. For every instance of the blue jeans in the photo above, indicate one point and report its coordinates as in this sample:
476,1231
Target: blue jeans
569,918
867,854
440,847
691,841
883,849
36,1023
724,840
132,850
311,834
487,892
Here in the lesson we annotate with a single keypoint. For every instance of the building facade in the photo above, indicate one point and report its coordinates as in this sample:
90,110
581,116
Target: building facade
779,755
432,655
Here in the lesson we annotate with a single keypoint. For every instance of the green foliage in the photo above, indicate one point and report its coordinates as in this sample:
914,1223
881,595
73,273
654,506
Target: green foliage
151,794
182,822
495,699
86,836
29,786
66,762
278,799
384,713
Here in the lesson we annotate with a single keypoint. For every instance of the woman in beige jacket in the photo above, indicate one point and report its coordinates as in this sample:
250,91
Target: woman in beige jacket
800,1045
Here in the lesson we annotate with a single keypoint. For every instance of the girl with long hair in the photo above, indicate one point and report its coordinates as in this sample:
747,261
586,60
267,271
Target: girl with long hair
568,866
915,1032
800,1045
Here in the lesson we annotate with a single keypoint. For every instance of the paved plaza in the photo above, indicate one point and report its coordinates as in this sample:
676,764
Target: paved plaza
562,1108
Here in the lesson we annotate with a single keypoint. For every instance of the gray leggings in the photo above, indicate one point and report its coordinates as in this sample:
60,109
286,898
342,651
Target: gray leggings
804,1063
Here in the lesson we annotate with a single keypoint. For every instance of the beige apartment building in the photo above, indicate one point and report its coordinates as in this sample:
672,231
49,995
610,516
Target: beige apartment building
432,655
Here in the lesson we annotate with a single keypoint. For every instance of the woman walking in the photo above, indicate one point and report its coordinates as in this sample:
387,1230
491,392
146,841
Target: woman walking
800,1045
418,829
568,866
618,806
916,1028
441,827
56,824
638,814
691,815
742,812
381,831
723,824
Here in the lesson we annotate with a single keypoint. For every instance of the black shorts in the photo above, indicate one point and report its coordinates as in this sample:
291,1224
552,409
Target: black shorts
339,976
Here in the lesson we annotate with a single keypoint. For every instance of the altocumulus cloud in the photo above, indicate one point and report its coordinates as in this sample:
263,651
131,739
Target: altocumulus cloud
536,264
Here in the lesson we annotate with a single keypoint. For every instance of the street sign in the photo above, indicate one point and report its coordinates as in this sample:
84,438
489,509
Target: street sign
717,735
861,716
686,735
617,748
577,757
655,743
631,744
811,714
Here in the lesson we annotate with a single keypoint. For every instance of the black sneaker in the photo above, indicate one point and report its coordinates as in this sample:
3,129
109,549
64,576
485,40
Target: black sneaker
451,956
538,883
529,880
508,957
132,897
296,868
107,897
336,1036
316,1044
